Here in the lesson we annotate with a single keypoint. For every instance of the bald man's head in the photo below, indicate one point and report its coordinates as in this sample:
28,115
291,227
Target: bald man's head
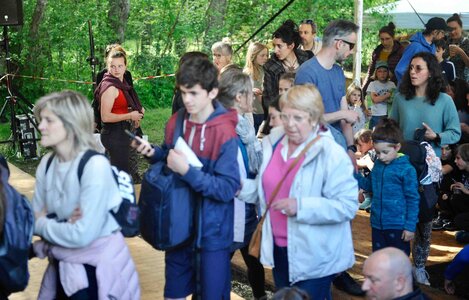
388,274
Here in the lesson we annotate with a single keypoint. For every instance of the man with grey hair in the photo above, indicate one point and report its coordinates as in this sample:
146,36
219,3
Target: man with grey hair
322,70
388,275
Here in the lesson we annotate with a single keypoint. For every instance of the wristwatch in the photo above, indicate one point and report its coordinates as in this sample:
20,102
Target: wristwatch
437,140
352,148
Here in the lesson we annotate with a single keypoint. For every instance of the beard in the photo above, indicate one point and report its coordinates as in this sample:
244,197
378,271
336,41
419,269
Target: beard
339,58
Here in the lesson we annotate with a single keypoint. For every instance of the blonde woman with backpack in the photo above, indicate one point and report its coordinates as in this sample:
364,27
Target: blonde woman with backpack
88,257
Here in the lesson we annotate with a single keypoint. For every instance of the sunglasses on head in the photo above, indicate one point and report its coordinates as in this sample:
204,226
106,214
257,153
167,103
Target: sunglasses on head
310,22
350,44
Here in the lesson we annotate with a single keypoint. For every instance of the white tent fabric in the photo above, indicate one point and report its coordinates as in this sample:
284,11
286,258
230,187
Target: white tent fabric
405,18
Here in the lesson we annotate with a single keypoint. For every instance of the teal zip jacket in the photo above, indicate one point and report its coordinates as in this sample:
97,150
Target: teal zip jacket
395,201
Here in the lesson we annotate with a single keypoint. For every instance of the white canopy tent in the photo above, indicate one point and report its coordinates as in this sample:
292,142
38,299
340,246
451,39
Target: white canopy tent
405,18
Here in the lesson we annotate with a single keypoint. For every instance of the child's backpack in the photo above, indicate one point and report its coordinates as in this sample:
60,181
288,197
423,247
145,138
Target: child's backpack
168,204
16,240
128,215
428,166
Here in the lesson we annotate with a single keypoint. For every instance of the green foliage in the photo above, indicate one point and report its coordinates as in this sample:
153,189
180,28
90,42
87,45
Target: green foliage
158,32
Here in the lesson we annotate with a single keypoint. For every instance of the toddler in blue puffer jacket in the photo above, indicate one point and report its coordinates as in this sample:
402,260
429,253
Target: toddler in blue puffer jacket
393,182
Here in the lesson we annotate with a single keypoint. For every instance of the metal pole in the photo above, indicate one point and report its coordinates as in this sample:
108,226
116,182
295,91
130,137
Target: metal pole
357,56
10,98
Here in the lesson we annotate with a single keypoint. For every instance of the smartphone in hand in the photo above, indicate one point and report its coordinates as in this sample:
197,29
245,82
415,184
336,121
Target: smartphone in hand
132,136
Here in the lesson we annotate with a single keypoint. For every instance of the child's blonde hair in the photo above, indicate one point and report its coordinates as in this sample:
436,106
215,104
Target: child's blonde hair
363,135
351,88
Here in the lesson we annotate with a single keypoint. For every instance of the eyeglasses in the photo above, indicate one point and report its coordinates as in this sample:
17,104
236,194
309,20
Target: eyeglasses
350,44
416,68
295,118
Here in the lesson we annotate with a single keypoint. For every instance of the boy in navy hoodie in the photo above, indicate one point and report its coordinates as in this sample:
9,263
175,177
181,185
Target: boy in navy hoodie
209,129
393,182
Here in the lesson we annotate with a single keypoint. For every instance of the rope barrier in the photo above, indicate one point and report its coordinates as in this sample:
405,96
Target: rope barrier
152,77
78,81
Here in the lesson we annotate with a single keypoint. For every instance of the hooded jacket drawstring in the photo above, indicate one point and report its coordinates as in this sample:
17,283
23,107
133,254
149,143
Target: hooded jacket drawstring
202,137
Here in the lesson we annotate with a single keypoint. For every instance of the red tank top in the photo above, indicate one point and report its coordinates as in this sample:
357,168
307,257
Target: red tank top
120,106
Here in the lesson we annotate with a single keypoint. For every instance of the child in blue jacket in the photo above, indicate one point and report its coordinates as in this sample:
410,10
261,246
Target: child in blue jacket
393,182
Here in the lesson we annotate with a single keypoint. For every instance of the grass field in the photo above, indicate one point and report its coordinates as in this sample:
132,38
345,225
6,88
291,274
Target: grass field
153,125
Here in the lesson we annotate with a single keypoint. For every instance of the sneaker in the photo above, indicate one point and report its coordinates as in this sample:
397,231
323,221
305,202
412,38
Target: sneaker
449,226
365,204
346,283
462,237
439,223
421,276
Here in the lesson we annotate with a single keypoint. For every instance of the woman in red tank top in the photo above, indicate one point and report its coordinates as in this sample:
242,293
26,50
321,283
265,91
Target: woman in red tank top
120,110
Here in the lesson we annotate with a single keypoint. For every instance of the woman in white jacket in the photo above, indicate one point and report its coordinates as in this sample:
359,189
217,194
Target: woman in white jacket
306,237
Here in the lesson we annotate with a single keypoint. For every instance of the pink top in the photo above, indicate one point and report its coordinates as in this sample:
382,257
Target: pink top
274,172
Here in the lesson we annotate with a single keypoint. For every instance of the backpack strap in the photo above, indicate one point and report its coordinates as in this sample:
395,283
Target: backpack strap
84,159
81,165
179,130
49,161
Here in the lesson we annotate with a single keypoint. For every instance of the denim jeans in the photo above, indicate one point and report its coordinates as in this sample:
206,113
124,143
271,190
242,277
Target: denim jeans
317,288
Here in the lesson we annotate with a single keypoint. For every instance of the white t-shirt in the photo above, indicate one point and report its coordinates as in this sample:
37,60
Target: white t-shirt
378,87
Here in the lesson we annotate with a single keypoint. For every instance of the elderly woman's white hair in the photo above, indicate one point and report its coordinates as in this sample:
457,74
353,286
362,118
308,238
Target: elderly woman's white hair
75,112
305,98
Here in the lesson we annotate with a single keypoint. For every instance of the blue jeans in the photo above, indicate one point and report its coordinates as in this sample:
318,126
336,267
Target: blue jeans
180,273
317,288
388,238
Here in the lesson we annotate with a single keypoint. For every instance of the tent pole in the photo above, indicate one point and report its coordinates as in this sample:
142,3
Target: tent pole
357,56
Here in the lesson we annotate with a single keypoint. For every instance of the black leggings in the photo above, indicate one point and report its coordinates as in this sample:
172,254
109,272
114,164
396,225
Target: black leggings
256,276
90,293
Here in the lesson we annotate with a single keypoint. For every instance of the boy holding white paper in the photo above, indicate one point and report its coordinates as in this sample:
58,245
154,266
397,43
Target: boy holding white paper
209,130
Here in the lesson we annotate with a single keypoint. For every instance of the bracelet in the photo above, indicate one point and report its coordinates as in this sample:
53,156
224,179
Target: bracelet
352,148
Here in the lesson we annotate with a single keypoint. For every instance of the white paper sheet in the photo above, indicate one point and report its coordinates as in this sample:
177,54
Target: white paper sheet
192,159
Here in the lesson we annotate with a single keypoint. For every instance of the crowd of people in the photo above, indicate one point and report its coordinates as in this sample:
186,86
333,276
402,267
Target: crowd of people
284,139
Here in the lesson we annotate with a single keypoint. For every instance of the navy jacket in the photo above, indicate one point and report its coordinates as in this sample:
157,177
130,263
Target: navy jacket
215,144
